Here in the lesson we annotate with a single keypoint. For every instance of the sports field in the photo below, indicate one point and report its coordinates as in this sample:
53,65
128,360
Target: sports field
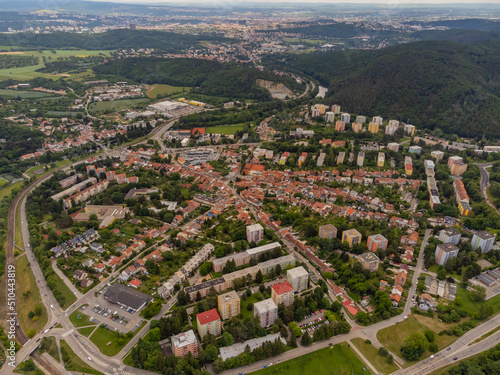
229,129
162,90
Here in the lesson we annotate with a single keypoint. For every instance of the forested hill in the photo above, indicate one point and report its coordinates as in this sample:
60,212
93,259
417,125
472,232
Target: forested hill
452,86
114,39
229,80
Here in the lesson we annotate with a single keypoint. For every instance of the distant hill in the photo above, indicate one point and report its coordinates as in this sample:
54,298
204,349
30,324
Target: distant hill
228,80
470,24
448,85
114,39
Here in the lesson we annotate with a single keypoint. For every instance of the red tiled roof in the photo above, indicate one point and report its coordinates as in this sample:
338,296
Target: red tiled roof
208,316
352,310
282,288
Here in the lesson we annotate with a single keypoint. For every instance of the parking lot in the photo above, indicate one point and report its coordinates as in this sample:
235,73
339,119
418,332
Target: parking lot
116,317
313,321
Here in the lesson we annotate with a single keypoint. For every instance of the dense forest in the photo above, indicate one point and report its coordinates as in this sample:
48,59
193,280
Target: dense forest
113,39
208,77
443,85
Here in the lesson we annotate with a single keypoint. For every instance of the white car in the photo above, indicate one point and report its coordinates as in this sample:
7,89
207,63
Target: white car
90,359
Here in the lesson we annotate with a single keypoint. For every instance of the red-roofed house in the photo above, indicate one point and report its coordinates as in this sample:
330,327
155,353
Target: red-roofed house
209,322
135,283
282,293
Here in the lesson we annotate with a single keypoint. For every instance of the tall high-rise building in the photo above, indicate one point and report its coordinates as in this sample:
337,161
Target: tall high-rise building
298,278
208,322
184,343
266,311
255,233
282,293
327,231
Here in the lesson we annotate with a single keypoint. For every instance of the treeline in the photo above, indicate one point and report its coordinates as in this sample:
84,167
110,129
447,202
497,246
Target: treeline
229,80
337,30
19,140
113,39
485,363
17,61
429,84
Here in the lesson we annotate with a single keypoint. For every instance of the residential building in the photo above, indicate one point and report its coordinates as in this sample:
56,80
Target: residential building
361,119
255,233
184,343
381,159
345,117
327,231
357,127
361,159
458,169
415,150
369,261
227,352
298,278
483,240
393,146
378,120
438,155
282,293
409,129
283,262
391,128
266,311
229,304
377,241
351,236
373,127
336,109
330,117
444,252
340,126
450,235
209,322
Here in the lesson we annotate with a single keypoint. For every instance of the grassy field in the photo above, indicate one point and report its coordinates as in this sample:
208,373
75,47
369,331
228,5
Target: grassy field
6,191
49,345
26,283
102,336
60,163
226,130
69,297
18,236
339,360
371,354
256,297
393,337
73,363
86,331
162,90
79,319
23,94
29,72
115,105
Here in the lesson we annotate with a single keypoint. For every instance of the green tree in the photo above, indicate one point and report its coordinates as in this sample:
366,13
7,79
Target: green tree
414,347
306,339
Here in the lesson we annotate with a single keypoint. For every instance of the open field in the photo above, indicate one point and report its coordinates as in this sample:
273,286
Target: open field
162,90
26,284
79,319
18,236
23,94
229,129
102,336
6,191
86,331
256,297
338,359
115,105
29,72
393,337
73,363
371,354
58,164
69,297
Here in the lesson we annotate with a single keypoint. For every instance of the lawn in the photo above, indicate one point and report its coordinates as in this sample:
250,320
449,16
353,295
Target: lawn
6,191
102,336
115,105
86,331
468,304
226,130
60,163
371,354
29,72
393,337
73,363
69,297
79,319
163,90
256,297
49,345
338,359
28,296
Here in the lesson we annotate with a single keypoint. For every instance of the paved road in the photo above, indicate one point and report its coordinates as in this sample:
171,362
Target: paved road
485,182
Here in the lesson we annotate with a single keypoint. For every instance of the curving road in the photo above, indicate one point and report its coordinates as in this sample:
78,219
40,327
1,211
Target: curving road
485,183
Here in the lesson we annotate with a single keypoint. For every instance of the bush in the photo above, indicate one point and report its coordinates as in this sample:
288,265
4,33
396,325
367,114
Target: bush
383,351
433,348
250,306
368,342
429,335
390,359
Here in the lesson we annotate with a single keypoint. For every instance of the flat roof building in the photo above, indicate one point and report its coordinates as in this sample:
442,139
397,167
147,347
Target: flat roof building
369,261
377,241
444,252
351,236
229,304
328,231
266,311
184,343
121,295
298,278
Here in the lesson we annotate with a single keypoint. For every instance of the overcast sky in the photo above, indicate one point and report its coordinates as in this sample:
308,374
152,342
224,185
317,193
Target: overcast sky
386,2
